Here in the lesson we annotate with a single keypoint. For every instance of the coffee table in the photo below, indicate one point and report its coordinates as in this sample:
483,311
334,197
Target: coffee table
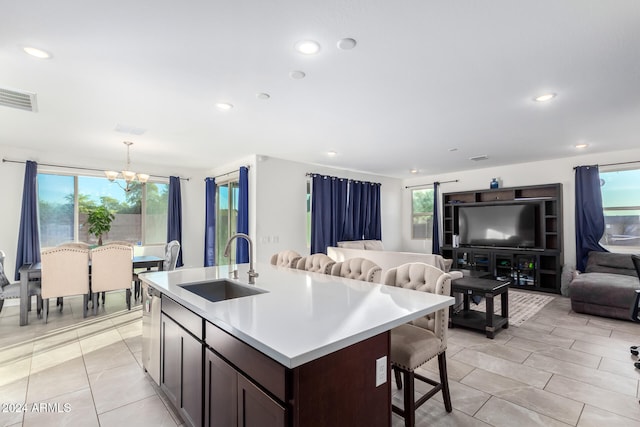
485,321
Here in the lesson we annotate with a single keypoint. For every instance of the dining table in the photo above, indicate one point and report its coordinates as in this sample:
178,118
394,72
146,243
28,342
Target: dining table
33,271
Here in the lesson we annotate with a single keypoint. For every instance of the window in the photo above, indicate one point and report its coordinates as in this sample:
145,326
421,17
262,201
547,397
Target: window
56,209
621,204
227,195
421,213
64,202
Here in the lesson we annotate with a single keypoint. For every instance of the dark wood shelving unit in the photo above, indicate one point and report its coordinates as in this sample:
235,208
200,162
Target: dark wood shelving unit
538,269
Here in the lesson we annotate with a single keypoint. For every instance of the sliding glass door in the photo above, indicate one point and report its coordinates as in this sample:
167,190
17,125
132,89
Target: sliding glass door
226,219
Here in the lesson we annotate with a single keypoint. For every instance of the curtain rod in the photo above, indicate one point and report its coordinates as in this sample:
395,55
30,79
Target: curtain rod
337,177
613,164
225,174
424,185
76,167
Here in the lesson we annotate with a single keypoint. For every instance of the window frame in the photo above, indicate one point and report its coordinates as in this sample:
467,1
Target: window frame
635,248
76,208
428,215
232,183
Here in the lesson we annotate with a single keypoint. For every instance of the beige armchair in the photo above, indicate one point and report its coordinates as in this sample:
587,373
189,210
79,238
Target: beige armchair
65,272
286,258
415,343
357,268
317,263
111,270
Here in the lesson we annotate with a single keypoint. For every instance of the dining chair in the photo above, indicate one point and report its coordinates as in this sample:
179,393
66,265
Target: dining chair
286,258
171,251
358,269
11,290
116,242
317,263
111,270
65,272
415,343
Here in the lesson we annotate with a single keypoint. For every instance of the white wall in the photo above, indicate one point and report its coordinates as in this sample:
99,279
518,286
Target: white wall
280,200
534,173
12,178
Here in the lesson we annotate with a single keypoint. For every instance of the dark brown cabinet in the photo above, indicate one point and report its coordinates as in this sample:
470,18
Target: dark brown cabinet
537,269
233,400
220,392
256,408
181,365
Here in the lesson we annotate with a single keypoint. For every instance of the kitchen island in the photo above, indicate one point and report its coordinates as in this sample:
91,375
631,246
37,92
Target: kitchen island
310,349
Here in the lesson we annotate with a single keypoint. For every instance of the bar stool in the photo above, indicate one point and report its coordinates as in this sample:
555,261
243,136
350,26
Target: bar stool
413,344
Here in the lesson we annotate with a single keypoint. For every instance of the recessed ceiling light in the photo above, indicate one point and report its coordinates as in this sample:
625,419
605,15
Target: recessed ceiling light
545,97
263,95
38,53
297,75
347,43
224,106
582,145
414,171
307,47
453,149
332,154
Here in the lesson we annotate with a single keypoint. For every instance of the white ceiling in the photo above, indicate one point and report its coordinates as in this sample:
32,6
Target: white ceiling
424,78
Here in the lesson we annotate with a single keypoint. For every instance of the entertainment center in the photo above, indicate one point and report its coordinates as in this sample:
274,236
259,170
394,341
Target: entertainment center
510,233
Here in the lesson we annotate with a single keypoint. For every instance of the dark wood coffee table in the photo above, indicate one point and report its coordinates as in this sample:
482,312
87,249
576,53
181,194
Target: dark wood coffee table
474,319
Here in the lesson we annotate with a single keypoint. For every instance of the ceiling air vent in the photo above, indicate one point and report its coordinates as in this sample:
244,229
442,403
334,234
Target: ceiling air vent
478,158
18,99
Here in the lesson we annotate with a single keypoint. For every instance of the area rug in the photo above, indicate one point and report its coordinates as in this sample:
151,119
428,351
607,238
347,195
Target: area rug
522,305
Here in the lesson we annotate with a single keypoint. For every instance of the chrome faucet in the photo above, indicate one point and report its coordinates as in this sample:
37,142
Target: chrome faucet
227,250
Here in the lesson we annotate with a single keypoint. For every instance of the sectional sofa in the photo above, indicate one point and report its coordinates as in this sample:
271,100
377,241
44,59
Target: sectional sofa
607,286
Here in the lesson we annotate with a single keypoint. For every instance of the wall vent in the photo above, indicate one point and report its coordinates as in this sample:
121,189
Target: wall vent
18,99
478,158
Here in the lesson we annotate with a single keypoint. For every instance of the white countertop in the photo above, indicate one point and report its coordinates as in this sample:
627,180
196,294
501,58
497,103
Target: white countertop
302,316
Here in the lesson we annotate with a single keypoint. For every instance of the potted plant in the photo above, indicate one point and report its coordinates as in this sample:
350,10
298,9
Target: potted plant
99,221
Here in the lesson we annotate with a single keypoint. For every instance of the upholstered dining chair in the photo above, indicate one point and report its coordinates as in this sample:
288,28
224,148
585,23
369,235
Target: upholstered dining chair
111,270
415,343
65,272
357,268
9,290
286,258
133,276
317,263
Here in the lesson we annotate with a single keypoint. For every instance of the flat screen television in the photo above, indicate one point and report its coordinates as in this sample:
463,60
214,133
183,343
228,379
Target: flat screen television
508,225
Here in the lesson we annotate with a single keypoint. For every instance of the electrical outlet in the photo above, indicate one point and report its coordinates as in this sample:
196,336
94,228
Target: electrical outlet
381,371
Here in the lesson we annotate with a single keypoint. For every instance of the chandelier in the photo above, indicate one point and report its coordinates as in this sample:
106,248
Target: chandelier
127,174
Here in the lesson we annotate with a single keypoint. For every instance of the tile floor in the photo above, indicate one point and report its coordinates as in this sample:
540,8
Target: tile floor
557,369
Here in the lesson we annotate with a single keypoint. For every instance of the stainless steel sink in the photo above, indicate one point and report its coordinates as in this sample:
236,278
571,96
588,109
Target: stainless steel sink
221,290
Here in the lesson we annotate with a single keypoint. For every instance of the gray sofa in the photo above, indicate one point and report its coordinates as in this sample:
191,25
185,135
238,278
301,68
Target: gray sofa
607,287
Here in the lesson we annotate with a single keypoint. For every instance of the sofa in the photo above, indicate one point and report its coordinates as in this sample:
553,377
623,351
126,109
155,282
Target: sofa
390,259
606,287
